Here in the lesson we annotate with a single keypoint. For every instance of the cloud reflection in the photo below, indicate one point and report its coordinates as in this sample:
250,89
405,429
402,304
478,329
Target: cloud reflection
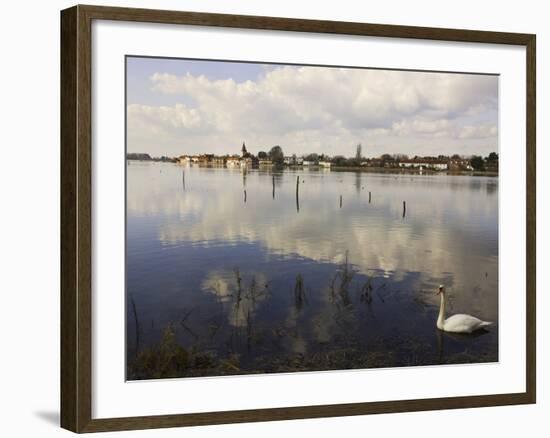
450,232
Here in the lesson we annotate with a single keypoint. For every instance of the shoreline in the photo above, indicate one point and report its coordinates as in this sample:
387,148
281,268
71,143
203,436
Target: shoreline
416,171
354,169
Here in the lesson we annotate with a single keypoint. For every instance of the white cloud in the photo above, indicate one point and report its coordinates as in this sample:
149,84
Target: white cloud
437,127
318,109
479,131
177,116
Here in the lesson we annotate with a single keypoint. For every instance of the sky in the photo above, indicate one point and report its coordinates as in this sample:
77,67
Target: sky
178,106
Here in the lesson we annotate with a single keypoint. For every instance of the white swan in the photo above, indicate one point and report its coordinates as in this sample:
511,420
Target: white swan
457,323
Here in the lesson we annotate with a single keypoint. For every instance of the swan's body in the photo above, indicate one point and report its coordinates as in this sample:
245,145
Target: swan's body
457,323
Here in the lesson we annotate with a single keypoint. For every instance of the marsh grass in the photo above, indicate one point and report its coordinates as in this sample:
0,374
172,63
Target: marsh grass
168,359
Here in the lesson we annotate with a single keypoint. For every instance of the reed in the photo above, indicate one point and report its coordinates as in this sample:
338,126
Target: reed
366,292
252,291
249,332
188,329
378,289
341,281
136,322
299,292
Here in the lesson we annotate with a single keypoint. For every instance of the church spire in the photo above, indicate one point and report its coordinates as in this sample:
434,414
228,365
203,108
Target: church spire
244,151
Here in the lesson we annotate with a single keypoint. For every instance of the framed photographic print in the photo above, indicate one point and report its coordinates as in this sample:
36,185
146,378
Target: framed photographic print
271,218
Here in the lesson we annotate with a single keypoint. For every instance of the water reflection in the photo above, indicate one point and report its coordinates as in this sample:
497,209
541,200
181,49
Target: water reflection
346,269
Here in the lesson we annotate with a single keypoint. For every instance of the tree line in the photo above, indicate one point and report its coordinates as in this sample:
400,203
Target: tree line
478,162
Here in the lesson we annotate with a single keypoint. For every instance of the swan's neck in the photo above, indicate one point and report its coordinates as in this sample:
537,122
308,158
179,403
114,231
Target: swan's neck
441,318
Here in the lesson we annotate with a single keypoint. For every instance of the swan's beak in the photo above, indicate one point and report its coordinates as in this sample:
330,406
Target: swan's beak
439,291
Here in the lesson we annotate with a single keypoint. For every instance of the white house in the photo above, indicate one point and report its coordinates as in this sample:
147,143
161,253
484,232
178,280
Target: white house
246,162
293,161
233,161
420,164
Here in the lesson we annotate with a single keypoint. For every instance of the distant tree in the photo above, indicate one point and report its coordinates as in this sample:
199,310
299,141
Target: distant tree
400,157
386,157
262,155
359,153
477,162
493,156
455,157
339,160
138,156
312,157
276,155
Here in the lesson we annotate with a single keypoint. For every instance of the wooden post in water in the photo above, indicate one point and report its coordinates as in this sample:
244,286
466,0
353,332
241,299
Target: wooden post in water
369,197
340,201
273,187
297,198
183,179
404,208
245,196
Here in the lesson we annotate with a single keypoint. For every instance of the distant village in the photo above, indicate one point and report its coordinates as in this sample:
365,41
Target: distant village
276,157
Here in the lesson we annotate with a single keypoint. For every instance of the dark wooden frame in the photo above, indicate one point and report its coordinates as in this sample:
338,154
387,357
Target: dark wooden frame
76,218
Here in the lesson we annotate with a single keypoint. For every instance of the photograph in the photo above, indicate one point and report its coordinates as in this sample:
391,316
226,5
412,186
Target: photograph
285,218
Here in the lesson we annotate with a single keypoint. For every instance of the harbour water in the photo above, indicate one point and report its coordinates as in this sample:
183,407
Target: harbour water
234,272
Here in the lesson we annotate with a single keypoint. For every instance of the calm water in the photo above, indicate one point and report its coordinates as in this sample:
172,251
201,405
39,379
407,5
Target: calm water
259,282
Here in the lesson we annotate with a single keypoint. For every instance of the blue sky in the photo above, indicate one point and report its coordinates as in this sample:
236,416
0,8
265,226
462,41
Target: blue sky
140,70
177,106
